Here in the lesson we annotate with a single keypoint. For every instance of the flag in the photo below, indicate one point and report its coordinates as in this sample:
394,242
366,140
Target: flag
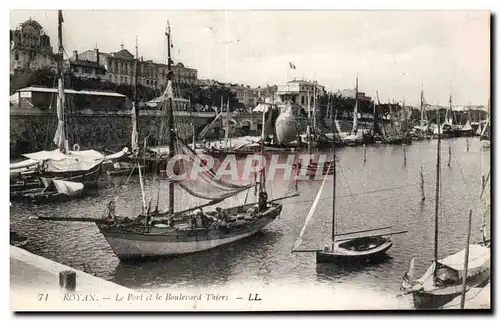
292,66
61,20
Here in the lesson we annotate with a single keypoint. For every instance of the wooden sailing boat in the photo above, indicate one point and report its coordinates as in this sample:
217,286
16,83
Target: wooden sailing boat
421,132
83,166
486,132
345,247
241,150
313,166
355,137
443,280
156,234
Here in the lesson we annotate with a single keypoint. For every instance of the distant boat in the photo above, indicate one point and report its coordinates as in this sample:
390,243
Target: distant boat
345,247
486,132
62,163
54,191
444,279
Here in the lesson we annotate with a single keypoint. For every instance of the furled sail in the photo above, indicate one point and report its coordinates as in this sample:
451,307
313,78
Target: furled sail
59,137
190,175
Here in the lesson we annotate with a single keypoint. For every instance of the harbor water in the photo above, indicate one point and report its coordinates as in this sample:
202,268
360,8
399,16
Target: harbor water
381,192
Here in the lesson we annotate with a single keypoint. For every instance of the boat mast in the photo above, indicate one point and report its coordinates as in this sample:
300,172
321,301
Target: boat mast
60,138
355,114
314,110
135,112
262,179
226,136
438,174
334,189
422,108
170,118
449,113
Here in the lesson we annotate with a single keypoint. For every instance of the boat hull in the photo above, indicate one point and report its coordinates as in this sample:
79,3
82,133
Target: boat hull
339,254
133,246
441,296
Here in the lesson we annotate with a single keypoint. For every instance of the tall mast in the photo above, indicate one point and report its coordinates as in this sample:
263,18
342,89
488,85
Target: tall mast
422,107
226,136
170,118
449,117
135,112
262,179
355,114
438,174
334,189
60,136
314,109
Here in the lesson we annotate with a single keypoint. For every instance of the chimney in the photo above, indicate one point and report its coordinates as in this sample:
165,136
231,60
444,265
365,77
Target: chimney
75,54
97,55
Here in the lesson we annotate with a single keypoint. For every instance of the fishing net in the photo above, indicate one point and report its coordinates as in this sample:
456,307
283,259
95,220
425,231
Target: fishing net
195,175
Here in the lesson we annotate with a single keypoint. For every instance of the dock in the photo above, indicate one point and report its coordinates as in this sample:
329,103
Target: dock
35,285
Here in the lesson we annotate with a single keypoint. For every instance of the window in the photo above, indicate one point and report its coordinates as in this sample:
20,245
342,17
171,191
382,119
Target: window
16,56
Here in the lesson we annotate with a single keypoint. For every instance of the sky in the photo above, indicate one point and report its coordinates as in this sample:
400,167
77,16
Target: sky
394,53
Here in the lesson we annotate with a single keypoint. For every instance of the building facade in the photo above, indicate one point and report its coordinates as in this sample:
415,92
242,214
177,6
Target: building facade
299,91
30,48
120,65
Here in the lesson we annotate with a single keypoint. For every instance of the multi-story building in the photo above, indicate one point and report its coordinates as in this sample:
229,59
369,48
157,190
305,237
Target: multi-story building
350,93
244,94
120,69
298,92
266,93
30,48
85,68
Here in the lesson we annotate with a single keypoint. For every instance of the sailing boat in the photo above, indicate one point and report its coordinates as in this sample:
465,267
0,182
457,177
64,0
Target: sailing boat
448,129
227,149
346,248
313,165
443,280
486,132
355,137
82,166
157,234
420,132
466,130
125,162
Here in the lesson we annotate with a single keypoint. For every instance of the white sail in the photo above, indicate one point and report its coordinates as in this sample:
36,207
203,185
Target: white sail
286,126
68,188
312,210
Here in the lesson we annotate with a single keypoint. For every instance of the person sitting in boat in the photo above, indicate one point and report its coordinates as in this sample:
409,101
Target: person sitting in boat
111,211
198,215
262,201
219,214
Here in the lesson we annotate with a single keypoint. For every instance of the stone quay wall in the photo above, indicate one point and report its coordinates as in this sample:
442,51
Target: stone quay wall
32,129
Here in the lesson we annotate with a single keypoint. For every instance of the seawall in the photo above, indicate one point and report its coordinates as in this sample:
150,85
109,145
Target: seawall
32,129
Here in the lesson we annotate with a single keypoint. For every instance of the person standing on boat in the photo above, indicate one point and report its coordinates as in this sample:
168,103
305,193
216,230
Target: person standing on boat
262,201
111,211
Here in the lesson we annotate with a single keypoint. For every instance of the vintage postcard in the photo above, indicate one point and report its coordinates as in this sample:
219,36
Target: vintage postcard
249,160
